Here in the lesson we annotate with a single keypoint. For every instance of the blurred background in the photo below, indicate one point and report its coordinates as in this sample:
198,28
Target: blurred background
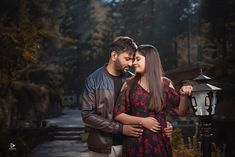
48,48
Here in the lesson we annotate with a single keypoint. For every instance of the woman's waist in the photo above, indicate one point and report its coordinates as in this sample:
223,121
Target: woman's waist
160,117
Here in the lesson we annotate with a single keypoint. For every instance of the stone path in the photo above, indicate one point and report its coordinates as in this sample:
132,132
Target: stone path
63,148
70,118
60,148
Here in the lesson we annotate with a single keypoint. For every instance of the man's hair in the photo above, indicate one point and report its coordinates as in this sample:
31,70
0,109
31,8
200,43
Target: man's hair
123,44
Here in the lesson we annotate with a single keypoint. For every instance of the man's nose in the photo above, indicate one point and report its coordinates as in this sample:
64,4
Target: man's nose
130,63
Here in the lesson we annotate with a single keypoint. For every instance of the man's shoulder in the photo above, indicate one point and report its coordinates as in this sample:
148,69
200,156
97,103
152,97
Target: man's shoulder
96,74
97,71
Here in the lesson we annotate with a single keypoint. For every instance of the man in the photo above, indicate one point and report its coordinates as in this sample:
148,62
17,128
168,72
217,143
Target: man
98,98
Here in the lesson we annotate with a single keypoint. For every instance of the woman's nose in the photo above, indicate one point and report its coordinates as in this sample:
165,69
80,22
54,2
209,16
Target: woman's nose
134,62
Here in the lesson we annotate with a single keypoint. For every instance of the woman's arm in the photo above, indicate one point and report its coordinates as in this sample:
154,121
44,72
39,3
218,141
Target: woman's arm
183,107
128,119
148,122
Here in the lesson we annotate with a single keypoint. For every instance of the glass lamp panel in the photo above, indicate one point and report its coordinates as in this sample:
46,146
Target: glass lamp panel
202,101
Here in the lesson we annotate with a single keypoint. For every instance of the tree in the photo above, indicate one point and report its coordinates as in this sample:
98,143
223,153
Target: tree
24,34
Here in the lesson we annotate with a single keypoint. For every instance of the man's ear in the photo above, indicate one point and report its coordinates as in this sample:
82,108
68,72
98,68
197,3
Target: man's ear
114,55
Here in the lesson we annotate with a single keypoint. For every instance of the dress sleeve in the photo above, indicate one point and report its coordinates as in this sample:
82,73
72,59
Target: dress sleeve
172,98
122,104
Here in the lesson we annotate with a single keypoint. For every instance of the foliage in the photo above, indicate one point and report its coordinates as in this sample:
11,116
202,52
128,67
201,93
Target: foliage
50,45
152,22
21,41
30,79
89,24
192,148
217,31
179,147
58,43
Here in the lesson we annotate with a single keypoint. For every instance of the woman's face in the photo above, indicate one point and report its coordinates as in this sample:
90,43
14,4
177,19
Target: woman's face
139,63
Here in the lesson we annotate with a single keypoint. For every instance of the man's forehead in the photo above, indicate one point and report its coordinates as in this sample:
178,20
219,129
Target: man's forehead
128,54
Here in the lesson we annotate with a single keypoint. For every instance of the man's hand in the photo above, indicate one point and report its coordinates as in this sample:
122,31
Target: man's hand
169,129
132,130
151,124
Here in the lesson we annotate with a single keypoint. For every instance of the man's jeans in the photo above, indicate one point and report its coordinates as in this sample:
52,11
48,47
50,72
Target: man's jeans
115,152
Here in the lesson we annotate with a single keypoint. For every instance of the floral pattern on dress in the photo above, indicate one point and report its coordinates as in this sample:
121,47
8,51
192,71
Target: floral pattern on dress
149,144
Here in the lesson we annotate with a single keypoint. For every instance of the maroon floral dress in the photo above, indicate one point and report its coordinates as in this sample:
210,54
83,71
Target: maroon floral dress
150,144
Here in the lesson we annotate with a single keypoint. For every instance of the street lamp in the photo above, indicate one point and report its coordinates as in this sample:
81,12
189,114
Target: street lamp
204,101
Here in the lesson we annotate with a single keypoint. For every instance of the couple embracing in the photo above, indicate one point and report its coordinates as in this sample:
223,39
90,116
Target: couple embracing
127,116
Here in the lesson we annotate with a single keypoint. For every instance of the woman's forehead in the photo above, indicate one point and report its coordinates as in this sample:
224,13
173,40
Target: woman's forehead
138,54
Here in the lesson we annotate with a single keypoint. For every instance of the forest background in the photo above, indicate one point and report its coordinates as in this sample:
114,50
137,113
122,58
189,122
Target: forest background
47,48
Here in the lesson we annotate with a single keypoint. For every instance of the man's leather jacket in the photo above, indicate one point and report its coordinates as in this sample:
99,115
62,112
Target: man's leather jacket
97,103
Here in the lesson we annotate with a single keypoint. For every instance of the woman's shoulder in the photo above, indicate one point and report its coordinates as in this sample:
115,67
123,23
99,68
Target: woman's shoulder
167,83
166,80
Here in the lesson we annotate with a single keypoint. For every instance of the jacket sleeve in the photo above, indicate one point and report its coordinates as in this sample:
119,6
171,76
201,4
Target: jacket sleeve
89,115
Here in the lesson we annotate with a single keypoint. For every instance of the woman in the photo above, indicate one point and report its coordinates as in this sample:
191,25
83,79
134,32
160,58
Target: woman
149,95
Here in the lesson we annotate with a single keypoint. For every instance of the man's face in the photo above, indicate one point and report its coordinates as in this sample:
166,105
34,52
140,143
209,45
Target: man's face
123,61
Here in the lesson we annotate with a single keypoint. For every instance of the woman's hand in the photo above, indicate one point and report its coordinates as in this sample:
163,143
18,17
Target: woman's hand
186,90
150,123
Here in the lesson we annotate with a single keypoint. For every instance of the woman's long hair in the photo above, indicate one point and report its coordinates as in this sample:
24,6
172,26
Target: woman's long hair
154,74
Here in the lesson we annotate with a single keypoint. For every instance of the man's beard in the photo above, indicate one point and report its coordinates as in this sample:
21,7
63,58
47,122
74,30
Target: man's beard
118,66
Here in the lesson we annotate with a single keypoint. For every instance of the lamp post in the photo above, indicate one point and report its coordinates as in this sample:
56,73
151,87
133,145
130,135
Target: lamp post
204,103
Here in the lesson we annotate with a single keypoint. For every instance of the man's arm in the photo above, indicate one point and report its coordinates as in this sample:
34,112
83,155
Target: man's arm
89,115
